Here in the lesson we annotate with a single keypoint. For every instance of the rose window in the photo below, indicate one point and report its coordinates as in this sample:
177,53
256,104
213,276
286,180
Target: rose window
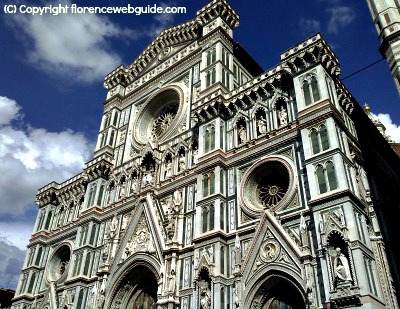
58,264
162,116
267,184
164,120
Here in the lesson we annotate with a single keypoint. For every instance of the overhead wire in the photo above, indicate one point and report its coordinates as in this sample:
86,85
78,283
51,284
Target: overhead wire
362,69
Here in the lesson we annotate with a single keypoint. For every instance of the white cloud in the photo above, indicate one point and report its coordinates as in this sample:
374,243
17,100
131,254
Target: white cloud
30,158
76,47
340,17
392,129
71,45
9,110
309,26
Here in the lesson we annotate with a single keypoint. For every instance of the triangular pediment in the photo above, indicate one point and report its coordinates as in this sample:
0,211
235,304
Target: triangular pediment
144,234
271,248
165,46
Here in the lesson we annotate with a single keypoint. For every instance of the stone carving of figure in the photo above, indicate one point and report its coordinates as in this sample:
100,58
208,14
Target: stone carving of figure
177,201
195,156
172,281
122,190
283,118
93,297
341,267
211,253
168,169
182,162
134,185
242,134
320,223
341,217
262,125
196,259
205,300
236,297
113,228
125,220
148,178
71,213
100,303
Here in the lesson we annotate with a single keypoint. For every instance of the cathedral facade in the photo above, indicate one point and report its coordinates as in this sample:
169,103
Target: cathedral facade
215,184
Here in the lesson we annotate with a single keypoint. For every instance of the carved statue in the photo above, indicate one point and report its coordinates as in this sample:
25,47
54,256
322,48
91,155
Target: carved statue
205,300
283,117
168,169
93,297
211,253
242,134
113,228
177,199
236,297
196,259
182,162
195,156
262,125
122,190
172,281
341,267
134,185
148,178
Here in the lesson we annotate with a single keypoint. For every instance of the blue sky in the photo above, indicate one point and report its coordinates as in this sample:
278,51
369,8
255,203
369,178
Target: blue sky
51,93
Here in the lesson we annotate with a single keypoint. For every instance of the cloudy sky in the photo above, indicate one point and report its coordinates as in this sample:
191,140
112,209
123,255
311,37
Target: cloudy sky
51,93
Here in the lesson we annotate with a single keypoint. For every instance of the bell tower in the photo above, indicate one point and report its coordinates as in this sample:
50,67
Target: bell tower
386,17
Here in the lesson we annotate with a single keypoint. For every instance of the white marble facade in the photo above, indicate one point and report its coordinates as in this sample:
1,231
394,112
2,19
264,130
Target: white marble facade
214,184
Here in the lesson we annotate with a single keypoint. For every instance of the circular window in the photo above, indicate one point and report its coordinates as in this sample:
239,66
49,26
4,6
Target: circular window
164,120
267,184
162,115
58,264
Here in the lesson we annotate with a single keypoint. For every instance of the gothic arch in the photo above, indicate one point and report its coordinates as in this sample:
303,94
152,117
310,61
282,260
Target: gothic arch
275,286
125,284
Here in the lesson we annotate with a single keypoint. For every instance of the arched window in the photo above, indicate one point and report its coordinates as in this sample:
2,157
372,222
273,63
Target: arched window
330,171
314,88
212,136
80,299
209,139
211,55
32,283
222,297
111,143
326,177
210,77
321,179
101,192
222,216
319,139
48,220
208,184
323,134
207,217
204,216
92,239
306,93
310,90
87,264
314,141
38,256
222,261
91,195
